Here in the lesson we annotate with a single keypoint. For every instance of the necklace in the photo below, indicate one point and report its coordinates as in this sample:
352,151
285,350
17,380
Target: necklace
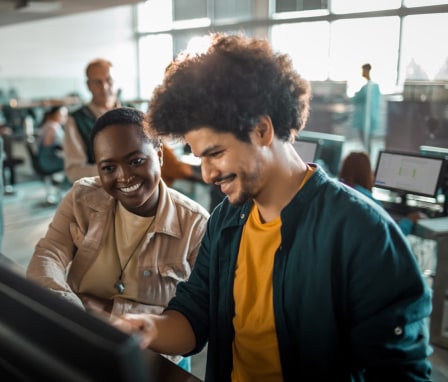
119,284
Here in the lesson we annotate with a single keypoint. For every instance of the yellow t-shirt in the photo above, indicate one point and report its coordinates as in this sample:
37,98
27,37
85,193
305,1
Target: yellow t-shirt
255,348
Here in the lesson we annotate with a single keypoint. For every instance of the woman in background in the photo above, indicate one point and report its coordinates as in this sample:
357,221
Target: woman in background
51,137
356,172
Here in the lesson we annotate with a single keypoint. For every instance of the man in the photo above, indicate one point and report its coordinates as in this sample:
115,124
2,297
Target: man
299,277
367,102
78,156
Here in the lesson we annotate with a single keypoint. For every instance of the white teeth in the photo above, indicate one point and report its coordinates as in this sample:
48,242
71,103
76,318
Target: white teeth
131,188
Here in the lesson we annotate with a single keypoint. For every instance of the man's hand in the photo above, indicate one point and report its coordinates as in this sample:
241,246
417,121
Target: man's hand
139,324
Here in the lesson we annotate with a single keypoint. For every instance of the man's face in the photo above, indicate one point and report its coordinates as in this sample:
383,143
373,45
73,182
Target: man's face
101,85
232,165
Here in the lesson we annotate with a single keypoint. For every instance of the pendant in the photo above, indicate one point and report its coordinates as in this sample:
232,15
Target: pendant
119,286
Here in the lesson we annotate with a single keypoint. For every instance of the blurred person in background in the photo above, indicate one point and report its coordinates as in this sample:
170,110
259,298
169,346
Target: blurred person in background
79,161
51,139
367,105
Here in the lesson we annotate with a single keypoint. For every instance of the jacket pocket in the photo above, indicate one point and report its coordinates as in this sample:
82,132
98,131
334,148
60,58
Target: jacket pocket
175,272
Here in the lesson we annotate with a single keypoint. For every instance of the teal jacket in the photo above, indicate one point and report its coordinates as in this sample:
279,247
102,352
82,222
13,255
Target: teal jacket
349,299
367,100
406,224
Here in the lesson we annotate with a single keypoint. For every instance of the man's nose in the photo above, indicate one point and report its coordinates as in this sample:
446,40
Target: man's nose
208,171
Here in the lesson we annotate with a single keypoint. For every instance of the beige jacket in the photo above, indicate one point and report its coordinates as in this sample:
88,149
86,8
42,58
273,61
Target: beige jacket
74,236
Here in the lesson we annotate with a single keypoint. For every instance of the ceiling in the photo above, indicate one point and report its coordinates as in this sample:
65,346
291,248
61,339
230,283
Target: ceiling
20,11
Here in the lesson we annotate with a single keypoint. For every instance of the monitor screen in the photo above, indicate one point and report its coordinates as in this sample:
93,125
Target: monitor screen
328,151
408,173
45,338
306,149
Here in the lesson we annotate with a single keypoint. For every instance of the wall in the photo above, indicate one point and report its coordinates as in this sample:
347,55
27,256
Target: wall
46,59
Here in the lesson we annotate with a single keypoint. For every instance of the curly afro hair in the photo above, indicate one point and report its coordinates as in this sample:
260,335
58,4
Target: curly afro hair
227,88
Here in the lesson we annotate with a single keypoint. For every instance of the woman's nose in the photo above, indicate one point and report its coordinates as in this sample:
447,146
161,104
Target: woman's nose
123,175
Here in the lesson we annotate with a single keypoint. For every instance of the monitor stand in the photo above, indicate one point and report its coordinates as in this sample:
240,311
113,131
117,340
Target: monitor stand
445,202
403,199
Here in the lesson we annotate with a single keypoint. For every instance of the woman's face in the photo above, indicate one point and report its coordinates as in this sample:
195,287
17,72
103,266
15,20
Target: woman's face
129,167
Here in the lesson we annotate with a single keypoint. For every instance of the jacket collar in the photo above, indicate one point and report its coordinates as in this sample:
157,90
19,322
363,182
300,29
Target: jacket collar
167,220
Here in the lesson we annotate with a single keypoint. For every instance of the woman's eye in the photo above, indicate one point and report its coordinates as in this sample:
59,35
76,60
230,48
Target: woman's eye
107,169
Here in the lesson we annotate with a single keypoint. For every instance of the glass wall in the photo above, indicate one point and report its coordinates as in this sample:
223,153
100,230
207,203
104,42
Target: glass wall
328,41
329,46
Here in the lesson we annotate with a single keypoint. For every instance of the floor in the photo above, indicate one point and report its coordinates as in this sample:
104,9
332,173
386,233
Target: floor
27,216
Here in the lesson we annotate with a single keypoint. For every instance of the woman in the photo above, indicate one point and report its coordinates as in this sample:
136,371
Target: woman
120,242
51,137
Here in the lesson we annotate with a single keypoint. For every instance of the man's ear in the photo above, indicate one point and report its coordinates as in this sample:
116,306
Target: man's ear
264,130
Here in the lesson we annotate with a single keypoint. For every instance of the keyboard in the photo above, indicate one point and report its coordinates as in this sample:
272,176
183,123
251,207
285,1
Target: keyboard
432,210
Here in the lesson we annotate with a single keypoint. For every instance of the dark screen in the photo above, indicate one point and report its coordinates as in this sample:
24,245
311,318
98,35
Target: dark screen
45,338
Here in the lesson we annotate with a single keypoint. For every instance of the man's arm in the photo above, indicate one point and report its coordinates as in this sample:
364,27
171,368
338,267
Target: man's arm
75,156
169,333
389,334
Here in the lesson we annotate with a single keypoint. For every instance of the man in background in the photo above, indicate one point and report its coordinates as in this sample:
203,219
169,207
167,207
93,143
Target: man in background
367,102
78,155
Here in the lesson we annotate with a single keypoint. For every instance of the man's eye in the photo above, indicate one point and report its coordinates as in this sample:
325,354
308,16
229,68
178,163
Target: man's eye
137,161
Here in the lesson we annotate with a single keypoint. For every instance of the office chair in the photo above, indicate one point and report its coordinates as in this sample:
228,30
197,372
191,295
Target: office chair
9,163
49,178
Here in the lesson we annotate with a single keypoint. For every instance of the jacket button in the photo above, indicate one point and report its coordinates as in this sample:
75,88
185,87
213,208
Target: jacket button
398,331
147,273
242,216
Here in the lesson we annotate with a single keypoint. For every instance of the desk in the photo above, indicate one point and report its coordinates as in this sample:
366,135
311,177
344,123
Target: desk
25,351
437,229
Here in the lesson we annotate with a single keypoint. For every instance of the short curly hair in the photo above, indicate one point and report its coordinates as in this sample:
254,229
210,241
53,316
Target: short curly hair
123,116
227,88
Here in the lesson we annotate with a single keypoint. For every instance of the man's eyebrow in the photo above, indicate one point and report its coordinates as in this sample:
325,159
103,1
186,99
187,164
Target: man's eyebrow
208,150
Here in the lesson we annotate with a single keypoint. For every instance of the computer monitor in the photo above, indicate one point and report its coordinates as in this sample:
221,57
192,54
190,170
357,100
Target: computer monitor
439,152
43,338
434,151
408,173
306,149
329,149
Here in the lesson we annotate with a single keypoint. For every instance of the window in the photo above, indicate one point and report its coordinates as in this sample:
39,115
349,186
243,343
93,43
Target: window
154,15
299,5
190,9
155,53
351,6
309,55
420,3
232,10
424,55
358,41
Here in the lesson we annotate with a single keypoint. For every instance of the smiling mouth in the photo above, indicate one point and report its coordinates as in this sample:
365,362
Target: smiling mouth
130,189
224,183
